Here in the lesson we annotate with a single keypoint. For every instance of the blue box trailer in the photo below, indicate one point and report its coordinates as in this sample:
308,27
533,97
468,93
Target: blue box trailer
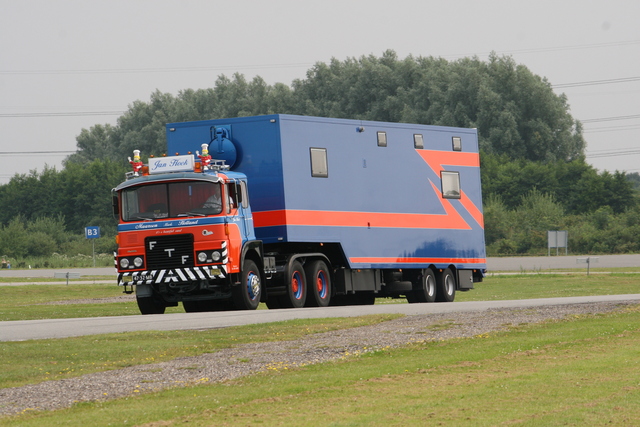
385,196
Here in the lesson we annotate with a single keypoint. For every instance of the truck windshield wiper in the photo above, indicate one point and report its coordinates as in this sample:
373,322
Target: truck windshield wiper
191,214
143,218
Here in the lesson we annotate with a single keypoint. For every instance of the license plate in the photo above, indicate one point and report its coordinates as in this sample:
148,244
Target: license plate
140,278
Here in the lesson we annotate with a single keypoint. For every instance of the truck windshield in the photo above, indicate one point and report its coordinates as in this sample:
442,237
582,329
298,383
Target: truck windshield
170,200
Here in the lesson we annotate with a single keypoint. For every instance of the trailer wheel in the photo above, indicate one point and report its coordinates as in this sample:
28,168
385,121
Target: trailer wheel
426,289
318,284
149,305
246,295
296,287
446,286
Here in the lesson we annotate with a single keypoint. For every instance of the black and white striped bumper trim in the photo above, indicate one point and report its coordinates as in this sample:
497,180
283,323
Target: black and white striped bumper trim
173,275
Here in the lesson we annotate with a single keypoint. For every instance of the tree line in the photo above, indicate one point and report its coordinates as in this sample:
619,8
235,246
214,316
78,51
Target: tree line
534,175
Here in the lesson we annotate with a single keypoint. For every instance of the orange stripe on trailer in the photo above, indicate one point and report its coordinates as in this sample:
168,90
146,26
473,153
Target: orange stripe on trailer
450,220
416,260
435,159
472,209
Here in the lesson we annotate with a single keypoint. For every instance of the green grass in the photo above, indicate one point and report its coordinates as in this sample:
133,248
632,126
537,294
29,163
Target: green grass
55,280
528,286
34,361
29,302
582,371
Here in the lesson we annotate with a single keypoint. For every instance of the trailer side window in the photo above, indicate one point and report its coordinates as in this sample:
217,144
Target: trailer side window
450,184
418,141
457,143
319,165
382,138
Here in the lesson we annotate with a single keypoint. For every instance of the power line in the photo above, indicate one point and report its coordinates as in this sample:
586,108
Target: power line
155,70
552,49
597,82
613,153
29,153
609,119
63,114
291,65
610,129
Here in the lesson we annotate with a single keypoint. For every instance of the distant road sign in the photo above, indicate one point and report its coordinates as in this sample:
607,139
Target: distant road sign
92,232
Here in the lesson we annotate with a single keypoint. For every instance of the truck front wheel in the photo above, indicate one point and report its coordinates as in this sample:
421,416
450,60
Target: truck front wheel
318,284
149,305
246,295
446,286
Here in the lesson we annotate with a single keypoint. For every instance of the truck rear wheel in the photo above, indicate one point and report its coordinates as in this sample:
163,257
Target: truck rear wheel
446,286
246,295
296,285
149,305
318,284
425,291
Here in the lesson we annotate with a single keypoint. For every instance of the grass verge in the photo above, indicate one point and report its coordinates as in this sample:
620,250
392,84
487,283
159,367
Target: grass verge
34,361
528,286
581,371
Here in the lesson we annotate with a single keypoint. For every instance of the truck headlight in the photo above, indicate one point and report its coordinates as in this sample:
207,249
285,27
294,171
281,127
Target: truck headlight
137,261
215,255
202,256
124,263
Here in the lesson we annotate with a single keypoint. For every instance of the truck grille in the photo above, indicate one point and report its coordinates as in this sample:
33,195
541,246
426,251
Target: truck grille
169,251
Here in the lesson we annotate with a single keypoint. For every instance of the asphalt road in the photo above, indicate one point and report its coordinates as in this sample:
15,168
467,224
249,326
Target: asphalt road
542,263
21,330
60,328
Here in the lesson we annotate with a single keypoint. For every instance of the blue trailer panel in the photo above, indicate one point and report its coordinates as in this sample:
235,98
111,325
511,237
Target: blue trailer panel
392,195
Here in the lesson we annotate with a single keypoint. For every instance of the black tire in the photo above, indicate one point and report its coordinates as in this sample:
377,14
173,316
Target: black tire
296,284
273,303
358,298
149,305
246,295
364,298
424,289
445,286
318,284
192,306
207,305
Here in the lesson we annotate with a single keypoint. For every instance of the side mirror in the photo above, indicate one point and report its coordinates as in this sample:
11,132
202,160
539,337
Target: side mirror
238,195
114,204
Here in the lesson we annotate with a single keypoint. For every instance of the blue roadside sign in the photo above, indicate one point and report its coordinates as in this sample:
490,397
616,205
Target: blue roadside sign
92,232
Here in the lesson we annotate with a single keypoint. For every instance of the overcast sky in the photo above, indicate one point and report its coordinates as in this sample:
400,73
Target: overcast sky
67,65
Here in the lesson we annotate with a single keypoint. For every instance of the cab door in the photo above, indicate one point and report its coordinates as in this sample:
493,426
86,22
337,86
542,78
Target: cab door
238,209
